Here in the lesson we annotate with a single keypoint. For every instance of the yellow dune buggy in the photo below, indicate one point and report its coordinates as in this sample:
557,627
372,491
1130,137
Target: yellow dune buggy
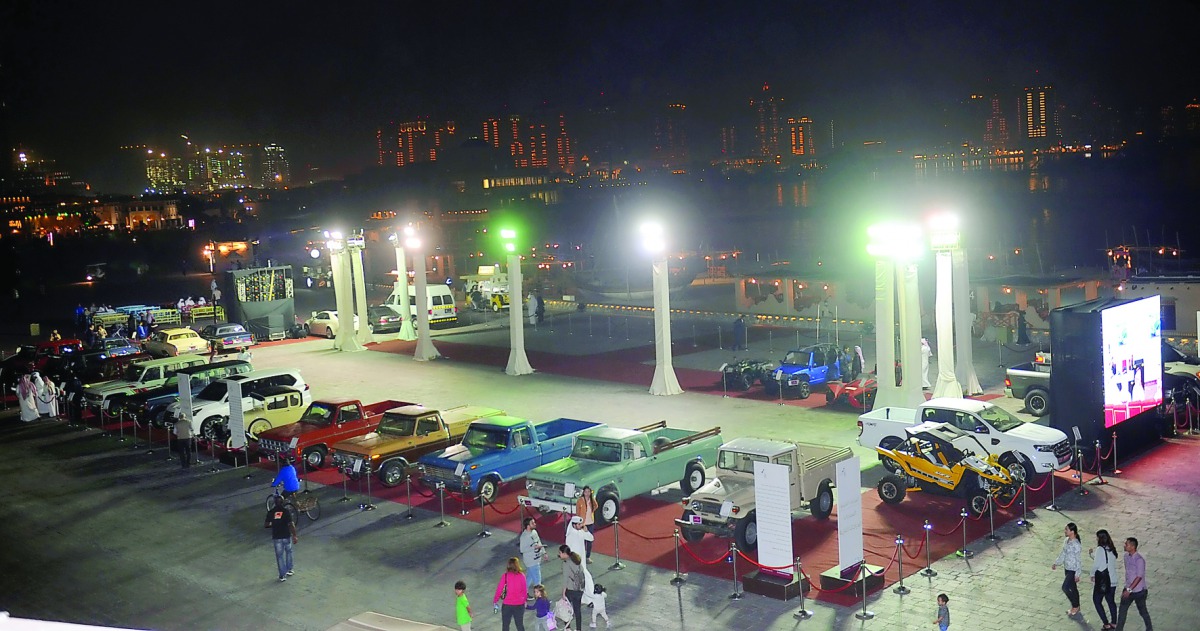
940,458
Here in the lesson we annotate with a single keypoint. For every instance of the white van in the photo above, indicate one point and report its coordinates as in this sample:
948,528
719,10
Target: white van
440,303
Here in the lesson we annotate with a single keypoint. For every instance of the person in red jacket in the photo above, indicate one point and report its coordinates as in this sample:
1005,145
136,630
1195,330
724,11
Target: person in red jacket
510,595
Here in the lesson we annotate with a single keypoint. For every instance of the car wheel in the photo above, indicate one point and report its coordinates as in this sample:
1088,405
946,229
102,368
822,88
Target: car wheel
307,331
392,473
488,489
329,332
889,443
1019,467
693,478
257,426
804,389
891,489
609,508
979,502
690,535
822,505
314,457
744,382
208,428
745,533
495,307
1037,402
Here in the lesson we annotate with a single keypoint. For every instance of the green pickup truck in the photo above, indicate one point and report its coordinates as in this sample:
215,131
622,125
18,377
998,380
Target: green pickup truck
622,463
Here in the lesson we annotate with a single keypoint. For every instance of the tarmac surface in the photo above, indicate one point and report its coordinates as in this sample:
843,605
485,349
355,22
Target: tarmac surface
101,532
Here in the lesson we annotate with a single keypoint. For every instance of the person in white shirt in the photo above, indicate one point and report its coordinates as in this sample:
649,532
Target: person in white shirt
577,538
1104,569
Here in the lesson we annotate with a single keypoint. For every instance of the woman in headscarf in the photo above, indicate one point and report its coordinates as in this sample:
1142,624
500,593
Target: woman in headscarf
27,399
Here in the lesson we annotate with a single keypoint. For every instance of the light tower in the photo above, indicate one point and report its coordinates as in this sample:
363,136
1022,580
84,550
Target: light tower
665,382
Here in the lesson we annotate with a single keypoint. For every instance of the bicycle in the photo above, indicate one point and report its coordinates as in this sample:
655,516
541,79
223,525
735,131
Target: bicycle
300,502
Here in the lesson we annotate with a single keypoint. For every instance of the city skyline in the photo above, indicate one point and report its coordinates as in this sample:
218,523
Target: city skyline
322,83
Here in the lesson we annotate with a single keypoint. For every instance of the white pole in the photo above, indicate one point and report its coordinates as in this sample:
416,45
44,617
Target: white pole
518,362
947,385
406,328
343,297
425,350
910,336
885,334
964,337
363,334
665,382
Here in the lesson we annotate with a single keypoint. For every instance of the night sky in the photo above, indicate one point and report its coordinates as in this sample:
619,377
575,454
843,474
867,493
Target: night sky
80,79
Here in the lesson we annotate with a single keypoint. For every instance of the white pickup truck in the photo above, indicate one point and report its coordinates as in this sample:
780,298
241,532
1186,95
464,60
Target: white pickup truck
1023,448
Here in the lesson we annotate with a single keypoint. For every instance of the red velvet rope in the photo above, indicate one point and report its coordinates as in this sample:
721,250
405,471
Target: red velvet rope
760,565
951,531
895,553
813,585
920,548
505,512
693,555
1010,502
978,517
640,535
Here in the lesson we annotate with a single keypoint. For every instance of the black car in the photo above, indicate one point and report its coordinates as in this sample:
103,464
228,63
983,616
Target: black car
381,319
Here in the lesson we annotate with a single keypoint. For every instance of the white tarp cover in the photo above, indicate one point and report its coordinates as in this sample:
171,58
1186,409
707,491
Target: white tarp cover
518,361
665,382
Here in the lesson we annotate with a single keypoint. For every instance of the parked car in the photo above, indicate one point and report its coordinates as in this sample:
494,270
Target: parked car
210,407
272,407
172,342
381,319
744,373
138,376
1030,381
806,369
324,323
118,346
150,405
228,336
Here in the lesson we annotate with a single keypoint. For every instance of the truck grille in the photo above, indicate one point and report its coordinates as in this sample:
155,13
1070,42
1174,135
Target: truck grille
349,461
1062,451
710,508
268,445
93,398
548,490
445,476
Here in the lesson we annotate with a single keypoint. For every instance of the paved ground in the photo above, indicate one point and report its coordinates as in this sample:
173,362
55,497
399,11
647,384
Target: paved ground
103,533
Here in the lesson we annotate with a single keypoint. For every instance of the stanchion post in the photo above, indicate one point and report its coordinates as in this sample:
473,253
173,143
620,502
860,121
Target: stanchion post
720,345
928,572
570,323
1082,490
212,455
801,613
770,341
589,325
1117,469
1000,352
608,320
991,509
121,427
1052,506
724,385
627,338
442,523
345,477
694,344
617,565
965,552
862,574
370,504
1024,520
462,499
900,590
737,589
782,377
408,490
483,532
1099,466
679,579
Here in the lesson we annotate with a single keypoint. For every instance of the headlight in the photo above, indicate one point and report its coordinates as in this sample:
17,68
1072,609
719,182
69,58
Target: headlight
528,484
578,494
1044,448
696,505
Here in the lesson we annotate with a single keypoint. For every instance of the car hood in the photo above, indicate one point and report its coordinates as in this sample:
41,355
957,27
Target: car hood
375,443
450,457
286,433
580,472
720,489
108,387
1039,434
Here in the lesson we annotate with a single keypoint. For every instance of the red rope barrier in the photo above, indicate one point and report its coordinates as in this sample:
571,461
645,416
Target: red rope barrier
1010,502
951,531
1047,480
503,512
713,562
920,548
979,516
640,535
895,554
760,565
843,588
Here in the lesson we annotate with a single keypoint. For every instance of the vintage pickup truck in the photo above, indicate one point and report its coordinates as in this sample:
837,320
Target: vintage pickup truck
498,449
1030,381
1023,448
325,422
404,435
725,506
622,463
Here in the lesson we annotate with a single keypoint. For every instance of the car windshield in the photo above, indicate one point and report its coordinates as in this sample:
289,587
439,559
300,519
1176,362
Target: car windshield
485,438
738,461
796,358
1001,420
397,424
214,391
318,414
133,372
598,450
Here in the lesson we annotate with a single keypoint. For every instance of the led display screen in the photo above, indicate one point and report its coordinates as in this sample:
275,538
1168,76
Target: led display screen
1132,359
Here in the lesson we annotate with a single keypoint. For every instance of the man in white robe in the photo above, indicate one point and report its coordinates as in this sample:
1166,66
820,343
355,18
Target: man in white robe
27,399
577,538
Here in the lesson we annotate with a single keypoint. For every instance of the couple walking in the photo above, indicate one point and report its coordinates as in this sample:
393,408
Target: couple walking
1104,571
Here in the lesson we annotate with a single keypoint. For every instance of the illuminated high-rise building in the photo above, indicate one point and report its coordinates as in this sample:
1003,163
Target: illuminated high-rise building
995,130
801,144
767,128
275,170
1039,116
402,144
491,132
516,146
671,137
564,152
729,141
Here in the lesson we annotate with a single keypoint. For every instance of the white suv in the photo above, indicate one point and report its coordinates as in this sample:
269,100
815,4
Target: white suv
210,408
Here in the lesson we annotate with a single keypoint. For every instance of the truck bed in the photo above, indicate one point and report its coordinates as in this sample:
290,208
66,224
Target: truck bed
375,409
549,430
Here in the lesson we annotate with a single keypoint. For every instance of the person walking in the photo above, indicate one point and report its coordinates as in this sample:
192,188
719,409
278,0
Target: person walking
943,619
283,534
585,507
462,607
183,440
574,578
739,334
75,399
27,399
1104,568
511,591
1135,586
577,540
531,554
541,608
1072,563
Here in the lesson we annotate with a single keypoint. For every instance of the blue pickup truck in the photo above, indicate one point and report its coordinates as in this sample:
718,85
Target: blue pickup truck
498,449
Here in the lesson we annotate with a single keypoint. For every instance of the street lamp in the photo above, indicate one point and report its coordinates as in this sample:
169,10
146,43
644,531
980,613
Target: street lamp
406,332
654,241
425,350
944,239
518,362
897,300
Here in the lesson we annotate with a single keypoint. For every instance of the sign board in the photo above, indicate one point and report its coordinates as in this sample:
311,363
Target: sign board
850,516
773,512
458,471
237,417
569,489
185,398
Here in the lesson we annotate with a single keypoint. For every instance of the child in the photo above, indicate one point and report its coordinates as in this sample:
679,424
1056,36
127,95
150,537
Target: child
943,619
462,607
541,608
598,600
